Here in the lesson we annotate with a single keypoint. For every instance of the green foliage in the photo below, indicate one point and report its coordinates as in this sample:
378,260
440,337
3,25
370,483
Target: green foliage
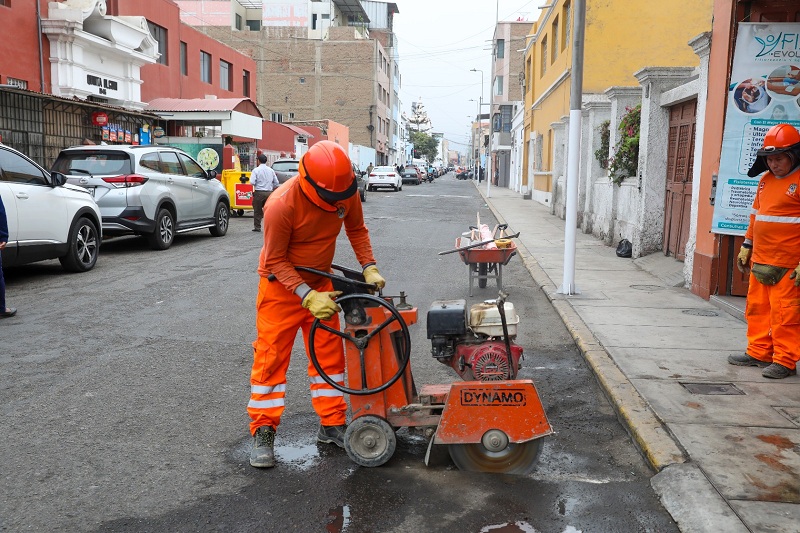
601,154
625,161
426,145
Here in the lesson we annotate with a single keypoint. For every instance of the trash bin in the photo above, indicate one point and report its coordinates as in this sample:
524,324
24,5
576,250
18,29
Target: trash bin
237,183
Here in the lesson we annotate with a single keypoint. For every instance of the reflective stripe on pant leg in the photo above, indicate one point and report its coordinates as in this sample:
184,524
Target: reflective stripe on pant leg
278,317
327,402
785,300
757,314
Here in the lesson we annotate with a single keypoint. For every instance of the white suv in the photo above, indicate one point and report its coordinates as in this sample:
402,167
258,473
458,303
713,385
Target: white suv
155,191
47,218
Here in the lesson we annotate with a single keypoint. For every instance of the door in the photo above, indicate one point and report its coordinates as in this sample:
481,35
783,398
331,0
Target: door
680,164
180,185
204,190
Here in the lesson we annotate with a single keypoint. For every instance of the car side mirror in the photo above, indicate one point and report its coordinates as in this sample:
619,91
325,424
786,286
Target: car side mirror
58,179
211,174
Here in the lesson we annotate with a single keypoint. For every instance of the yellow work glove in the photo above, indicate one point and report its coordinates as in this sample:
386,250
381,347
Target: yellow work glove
795,275
743,259
321,304
372,276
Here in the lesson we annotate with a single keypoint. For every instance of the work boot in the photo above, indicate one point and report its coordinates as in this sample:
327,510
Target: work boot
332,435
263,453
746,360
776,371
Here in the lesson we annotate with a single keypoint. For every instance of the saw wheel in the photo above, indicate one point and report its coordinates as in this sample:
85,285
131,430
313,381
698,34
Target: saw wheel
495,454
370,441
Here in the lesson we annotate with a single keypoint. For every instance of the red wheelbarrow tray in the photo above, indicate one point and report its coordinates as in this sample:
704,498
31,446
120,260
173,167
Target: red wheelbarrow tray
485,255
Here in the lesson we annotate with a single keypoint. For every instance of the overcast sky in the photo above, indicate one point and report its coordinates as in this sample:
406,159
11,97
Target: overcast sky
439,41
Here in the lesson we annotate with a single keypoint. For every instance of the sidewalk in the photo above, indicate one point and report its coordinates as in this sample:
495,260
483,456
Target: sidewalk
724,440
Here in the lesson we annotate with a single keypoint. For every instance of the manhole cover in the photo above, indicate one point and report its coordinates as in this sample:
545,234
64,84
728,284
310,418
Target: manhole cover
648,287
713,389
700,312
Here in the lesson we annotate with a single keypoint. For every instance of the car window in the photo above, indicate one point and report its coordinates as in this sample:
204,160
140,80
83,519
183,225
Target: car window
102,163
384,169
192,168
151,161
285,166
17,169
170,163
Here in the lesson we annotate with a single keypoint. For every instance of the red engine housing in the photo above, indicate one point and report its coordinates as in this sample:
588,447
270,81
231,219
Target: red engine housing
486,361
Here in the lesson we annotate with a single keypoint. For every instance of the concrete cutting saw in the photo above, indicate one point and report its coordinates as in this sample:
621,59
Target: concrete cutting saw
490,421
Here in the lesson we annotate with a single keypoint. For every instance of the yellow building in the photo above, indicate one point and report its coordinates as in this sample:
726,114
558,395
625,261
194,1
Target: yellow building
621,37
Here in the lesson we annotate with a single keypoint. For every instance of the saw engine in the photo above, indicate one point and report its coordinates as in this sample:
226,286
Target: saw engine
472,341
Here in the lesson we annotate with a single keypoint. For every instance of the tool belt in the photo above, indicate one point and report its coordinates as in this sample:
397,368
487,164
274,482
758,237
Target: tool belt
768,274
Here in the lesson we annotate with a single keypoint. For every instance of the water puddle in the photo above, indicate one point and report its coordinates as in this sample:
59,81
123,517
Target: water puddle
302,456
338,519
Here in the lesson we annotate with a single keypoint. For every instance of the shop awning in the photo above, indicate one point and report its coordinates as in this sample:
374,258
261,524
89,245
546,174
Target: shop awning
237,116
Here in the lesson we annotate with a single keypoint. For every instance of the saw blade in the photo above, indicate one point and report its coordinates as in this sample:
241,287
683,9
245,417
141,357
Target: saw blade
515,458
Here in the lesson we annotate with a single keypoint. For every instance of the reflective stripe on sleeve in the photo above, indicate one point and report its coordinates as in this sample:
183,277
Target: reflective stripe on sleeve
266,389
265,404
316,380
782,220
317,393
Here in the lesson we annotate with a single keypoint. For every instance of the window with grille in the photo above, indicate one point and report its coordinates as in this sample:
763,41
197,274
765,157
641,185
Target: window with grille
566,17
225,75
22,84
160,35
276,117
205,67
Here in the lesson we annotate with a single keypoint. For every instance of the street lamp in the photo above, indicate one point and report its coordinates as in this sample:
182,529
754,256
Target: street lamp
480,109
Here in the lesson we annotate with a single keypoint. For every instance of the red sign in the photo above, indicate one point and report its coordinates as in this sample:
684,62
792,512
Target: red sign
244,194
99,119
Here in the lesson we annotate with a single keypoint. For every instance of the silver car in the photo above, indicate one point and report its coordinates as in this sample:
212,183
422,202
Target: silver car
285,168
155,191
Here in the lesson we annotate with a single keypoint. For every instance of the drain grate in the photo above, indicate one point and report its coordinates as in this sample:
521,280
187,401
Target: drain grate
700,312
648,287
713,389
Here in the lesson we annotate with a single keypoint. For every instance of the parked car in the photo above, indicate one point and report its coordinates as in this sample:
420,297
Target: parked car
154,191
362,182
384,177
47,218
411,175
286,168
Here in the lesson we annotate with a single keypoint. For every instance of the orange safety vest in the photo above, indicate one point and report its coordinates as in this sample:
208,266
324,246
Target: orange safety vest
775,221
298,233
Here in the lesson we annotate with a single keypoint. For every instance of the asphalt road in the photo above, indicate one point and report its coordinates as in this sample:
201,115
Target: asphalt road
123,394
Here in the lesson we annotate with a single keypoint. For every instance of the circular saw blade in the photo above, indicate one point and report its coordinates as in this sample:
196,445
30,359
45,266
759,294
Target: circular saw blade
516,458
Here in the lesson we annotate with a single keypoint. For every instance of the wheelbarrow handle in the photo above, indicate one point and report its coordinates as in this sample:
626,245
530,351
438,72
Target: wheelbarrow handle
475,245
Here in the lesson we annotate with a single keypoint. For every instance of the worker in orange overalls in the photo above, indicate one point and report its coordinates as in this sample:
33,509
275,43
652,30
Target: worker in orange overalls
302,220
773,241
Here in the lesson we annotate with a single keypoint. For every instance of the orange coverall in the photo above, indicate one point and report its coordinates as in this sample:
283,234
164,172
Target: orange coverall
297,232
773,311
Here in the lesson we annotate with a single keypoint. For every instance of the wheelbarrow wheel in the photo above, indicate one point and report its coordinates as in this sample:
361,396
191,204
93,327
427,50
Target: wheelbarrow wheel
240,212
370,441
483,268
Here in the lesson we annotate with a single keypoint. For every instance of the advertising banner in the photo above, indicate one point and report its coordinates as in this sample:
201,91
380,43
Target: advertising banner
764,91
208,155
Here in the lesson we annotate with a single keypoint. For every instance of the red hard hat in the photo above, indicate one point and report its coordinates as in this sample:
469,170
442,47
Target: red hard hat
780,138
326,175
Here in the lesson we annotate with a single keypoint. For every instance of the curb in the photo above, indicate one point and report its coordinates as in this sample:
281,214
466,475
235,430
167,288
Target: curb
648,432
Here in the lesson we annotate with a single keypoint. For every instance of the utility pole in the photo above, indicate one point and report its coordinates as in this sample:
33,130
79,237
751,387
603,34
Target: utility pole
574,148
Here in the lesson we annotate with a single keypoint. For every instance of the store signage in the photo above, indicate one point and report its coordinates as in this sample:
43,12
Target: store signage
99,118
764,90
104,85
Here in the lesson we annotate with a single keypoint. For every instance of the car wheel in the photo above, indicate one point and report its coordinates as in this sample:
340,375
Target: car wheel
400,187
364,195
221,217
162,237
84,245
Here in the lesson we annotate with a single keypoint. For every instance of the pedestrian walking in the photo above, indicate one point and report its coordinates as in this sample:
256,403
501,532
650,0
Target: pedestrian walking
772,243
302,221
369,168
5,312
264,181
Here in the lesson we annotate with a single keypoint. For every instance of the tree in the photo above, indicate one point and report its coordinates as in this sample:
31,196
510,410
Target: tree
424,144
